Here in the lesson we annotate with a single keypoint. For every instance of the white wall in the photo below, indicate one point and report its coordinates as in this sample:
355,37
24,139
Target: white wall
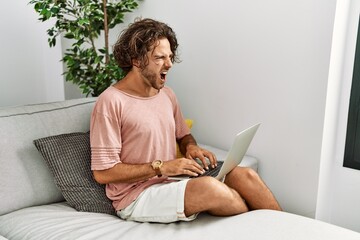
339,196
30,72
256,61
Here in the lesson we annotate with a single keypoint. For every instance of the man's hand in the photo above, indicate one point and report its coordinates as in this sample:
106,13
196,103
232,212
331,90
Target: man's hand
191,150
194,151
181,166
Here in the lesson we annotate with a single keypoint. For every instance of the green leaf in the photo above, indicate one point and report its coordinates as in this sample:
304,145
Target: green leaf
69,35
103,51
82,22
55,10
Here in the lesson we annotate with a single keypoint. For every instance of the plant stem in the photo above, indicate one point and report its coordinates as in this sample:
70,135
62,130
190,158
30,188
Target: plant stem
106,29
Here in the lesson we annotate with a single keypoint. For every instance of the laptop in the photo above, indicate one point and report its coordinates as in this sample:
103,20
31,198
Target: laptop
234,157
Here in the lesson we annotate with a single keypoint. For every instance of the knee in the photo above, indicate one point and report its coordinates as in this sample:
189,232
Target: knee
221,191
214,188
213,196
251,174
243,174
224,197
211,184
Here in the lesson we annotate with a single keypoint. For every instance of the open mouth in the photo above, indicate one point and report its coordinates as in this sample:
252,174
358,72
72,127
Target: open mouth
163,76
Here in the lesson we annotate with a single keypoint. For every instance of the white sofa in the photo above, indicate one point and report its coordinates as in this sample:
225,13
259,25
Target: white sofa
33,207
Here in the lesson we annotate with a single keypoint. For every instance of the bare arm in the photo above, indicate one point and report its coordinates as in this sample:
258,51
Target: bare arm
186,141
128,173
190,149
122,172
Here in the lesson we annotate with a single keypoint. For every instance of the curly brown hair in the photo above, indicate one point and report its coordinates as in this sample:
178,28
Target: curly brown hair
139,38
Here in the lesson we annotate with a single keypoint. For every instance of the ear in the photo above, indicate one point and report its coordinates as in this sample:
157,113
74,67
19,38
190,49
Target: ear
136,63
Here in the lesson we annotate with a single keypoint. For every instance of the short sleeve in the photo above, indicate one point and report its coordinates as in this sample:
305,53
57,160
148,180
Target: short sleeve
105,137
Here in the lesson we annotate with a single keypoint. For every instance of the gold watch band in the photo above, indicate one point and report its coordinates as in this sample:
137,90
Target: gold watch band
158,172
156,165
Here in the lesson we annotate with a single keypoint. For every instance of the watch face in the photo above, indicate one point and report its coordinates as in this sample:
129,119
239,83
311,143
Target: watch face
157,164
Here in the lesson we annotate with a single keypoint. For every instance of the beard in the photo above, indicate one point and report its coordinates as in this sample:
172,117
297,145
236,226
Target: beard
152,78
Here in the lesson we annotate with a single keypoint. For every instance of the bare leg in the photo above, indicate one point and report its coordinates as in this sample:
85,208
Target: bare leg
250,186
224,199
208,194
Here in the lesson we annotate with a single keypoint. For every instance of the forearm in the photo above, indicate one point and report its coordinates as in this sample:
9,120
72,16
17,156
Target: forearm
123,172
185,142
191,150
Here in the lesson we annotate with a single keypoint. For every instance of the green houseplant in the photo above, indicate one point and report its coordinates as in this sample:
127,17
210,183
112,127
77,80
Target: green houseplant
93,69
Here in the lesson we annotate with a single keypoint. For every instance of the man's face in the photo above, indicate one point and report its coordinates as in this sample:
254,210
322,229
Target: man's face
154,74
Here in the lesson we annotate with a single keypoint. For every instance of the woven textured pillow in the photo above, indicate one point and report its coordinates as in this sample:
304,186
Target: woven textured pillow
68,157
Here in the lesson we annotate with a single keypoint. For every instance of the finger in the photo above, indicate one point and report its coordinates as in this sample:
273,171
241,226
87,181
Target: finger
190,173
195,170
195,167
212,159
198,166
190,164
204,161
188,156
196,155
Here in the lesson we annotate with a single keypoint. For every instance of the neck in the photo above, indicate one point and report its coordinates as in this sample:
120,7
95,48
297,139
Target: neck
133,84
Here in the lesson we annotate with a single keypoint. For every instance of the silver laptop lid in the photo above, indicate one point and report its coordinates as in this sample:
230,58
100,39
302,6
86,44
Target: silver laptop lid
238,150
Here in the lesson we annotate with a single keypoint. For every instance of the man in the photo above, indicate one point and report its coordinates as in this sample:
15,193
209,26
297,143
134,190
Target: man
135,125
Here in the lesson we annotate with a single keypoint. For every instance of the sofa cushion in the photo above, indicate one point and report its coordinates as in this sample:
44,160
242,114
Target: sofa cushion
68,157
59,221
25,180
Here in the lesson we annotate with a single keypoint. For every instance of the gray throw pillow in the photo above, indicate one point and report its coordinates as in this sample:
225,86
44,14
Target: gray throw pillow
68,157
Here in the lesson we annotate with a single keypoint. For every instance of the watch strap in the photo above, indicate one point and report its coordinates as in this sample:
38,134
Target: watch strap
158,172
156,165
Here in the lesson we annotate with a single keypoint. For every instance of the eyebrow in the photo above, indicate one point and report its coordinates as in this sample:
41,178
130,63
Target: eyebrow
157,55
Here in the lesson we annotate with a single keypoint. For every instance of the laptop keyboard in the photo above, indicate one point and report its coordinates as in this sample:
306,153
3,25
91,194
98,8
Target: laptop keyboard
212,172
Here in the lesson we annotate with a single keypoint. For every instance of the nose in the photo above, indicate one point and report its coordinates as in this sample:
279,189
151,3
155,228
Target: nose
168,63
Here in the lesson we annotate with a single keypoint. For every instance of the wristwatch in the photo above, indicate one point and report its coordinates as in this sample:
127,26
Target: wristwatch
156,165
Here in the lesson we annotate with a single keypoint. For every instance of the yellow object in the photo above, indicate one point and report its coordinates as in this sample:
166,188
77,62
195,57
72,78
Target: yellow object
189,123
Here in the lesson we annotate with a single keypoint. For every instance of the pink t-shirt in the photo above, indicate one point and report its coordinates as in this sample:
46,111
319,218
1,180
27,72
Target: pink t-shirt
130,129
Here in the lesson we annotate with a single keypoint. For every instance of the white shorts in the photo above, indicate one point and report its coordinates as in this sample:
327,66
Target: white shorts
162,203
